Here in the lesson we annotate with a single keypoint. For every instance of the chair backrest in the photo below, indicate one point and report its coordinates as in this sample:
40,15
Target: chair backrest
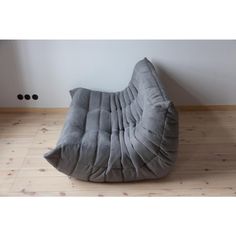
146,78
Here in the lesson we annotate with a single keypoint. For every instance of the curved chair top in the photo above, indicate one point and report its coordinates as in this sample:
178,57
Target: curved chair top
145,76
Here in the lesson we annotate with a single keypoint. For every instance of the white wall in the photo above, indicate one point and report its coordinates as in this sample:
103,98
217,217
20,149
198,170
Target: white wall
195,72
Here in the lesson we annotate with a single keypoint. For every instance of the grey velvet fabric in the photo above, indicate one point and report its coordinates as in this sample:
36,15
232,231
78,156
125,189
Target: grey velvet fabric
122,136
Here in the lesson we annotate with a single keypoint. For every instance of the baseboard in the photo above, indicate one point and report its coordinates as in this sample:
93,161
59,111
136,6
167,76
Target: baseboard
207,108
32,110
64,109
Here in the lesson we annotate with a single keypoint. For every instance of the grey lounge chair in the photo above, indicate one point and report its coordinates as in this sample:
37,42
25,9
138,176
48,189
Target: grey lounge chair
122,136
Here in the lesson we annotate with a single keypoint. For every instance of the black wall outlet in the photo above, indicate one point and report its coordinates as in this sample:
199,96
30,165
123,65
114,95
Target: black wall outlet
27,97
20,96
35,96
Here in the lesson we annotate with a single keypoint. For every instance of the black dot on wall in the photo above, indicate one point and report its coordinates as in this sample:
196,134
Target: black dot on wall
35,96
20,96
27,96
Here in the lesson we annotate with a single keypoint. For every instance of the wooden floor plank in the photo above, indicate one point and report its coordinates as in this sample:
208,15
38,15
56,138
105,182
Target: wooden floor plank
206,164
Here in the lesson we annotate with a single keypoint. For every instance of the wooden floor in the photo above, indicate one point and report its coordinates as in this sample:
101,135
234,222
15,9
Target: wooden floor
206,164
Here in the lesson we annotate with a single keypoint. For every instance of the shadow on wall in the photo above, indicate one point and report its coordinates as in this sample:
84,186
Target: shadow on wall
177,92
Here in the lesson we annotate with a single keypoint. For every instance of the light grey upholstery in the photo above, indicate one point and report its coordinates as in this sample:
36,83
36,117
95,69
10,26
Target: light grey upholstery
122,136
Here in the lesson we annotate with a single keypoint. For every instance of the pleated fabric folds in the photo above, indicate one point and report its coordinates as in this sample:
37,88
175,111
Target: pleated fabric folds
124,136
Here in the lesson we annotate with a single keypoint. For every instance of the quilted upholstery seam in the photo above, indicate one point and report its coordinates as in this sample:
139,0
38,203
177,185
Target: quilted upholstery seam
109,158
121,154
151,158
140,156
160,140
96,151
86,118
163,132
130,156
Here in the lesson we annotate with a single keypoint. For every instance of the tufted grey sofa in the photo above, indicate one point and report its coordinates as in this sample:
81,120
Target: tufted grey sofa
122,136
